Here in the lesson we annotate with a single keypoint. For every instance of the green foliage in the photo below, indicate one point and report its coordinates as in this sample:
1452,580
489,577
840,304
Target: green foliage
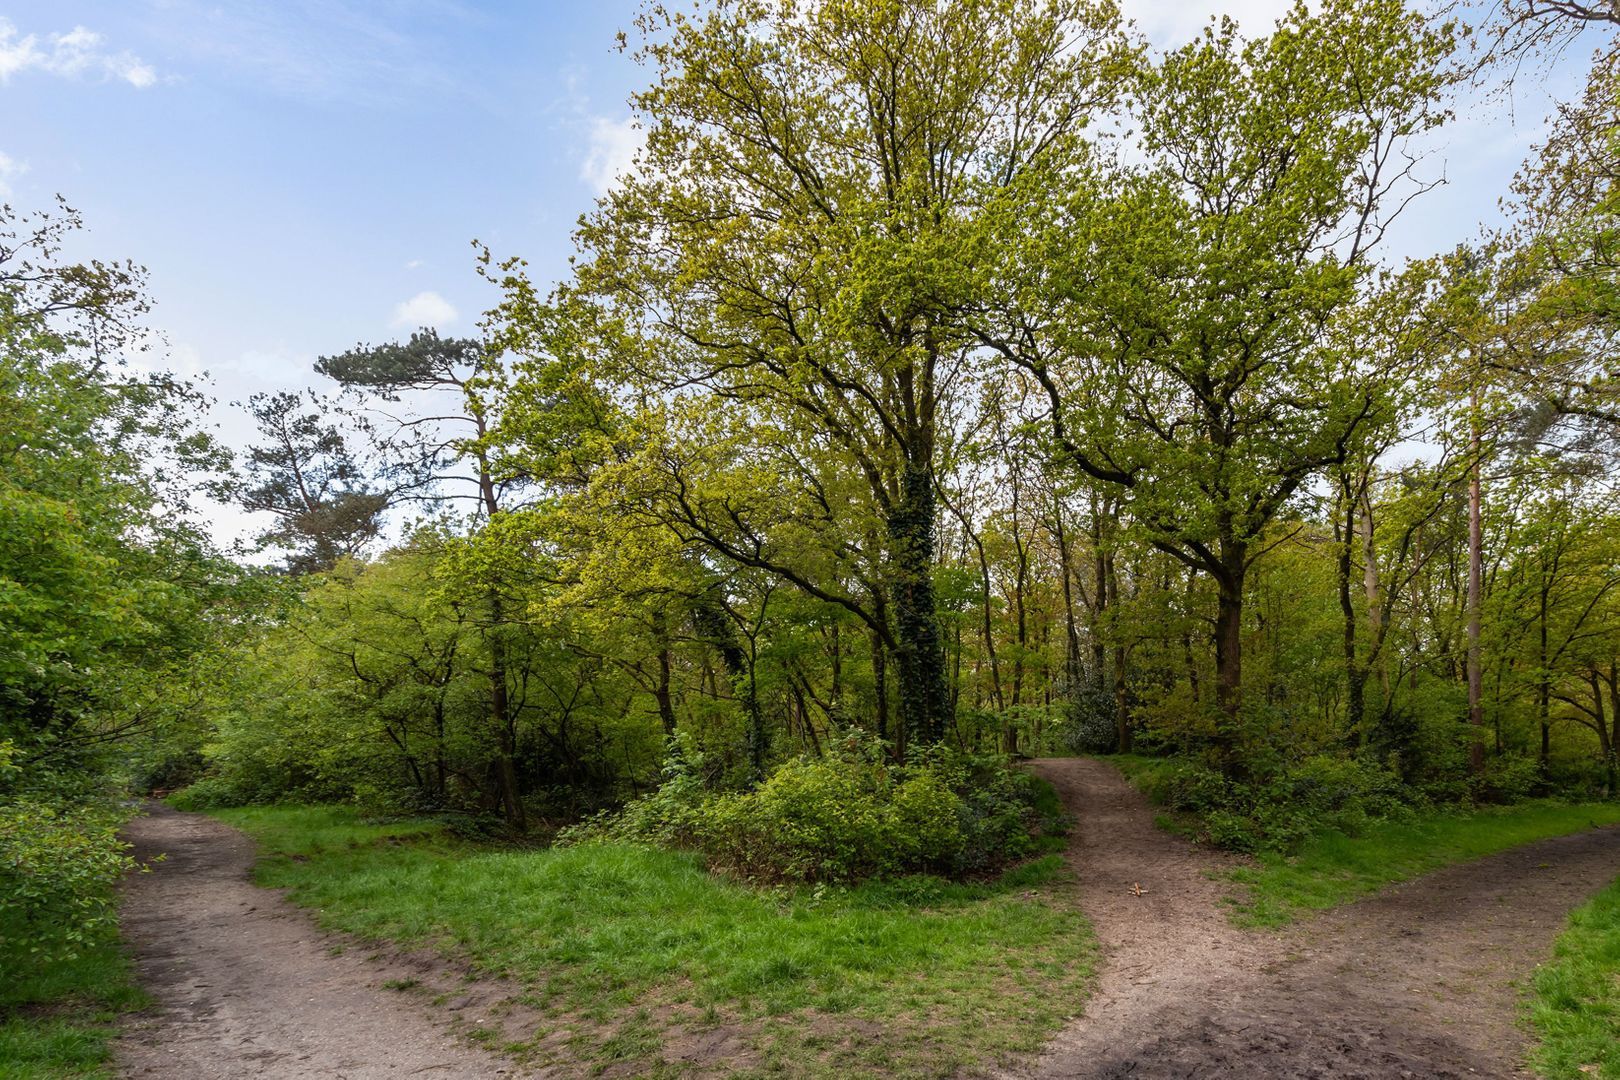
1279,810
1333,868
847,816
594,931
58,864
1575,1005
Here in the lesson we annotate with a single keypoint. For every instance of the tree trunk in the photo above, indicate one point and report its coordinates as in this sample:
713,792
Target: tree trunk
1355,676
661,691
1071,658
880,686
1229,646
1475,676
924,702
1122,707
500,716
1544,683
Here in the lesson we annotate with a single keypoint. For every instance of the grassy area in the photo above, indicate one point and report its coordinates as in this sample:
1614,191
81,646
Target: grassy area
58,1020
1575,1001
1332,868
631,950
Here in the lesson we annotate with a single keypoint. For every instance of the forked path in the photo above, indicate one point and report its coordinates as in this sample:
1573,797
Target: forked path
1421,981
247,986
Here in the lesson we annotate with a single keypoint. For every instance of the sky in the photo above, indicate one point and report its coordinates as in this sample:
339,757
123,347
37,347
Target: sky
302,175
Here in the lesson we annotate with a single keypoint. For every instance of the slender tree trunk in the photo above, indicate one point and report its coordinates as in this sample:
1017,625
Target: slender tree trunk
1187,645
1071,658
1475,676
661,690
1123,736
1355,675
880,686
1544,682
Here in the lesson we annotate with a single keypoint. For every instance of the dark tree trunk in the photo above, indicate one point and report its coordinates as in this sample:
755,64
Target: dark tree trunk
1229,646
1355,674
661,690
924,701
880,686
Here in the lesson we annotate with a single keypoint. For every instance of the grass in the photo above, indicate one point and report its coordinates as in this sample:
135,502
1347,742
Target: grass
632,949
57,1020
1333,868
1575,999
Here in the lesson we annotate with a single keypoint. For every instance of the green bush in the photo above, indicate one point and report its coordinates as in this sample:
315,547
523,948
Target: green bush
1281,808
842,817
58,865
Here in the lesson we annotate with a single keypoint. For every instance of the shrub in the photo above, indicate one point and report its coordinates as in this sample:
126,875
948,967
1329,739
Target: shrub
843,817
1279,809
58,865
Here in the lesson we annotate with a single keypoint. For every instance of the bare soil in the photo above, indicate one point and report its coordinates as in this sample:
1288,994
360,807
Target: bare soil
246,985
1421,981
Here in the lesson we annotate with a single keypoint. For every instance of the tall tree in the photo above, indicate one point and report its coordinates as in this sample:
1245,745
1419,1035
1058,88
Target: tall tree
808,212
1195,339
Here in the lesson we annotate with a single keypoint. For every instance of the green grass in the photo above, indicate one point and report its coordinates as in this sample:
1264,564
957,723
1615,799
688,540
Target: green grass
1333,869
58,1019
1575,1000
629,947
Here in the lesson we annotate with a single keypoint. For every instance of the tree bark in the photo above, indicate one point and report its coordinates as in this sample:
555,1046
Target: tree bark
924,702
1475,676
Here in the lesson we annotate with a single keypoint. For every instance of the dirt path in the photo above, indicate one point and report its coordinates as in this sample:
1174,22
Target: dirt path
1416,982
245,984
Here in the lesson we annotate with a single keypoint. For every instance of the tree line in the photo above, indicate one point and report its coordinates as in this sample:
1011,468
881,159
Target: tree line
965,376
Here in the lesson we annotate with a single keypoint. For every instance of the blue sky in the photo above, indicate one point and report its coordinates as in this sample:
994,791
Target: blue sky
300,175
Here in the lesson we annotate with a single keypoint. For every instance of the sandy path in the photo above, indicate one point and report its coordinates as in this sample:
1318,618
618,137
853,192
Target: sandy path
1416,982
247,986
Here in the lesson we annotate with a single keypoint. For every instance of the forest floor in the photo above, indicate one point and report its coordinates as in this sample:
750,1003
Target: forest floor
245,984
1423,980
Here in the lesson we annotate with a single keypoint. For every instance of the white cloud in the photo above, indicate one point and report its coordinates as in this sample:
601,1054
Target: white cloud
10,169
612,152
412,264
70,55
424,309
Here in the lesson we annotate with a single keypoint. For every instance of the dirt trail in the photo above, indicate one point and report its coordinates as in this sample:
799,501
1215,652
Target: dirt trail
247,986
1416,982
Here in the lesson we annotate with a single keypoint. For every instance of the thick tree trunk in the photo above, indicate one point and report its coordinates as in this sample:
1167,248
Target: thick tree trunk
880,686
924,701
1229,646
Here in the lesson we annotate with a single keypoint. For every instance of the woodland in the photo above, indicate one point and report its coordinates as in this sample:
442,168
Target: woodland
947,384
